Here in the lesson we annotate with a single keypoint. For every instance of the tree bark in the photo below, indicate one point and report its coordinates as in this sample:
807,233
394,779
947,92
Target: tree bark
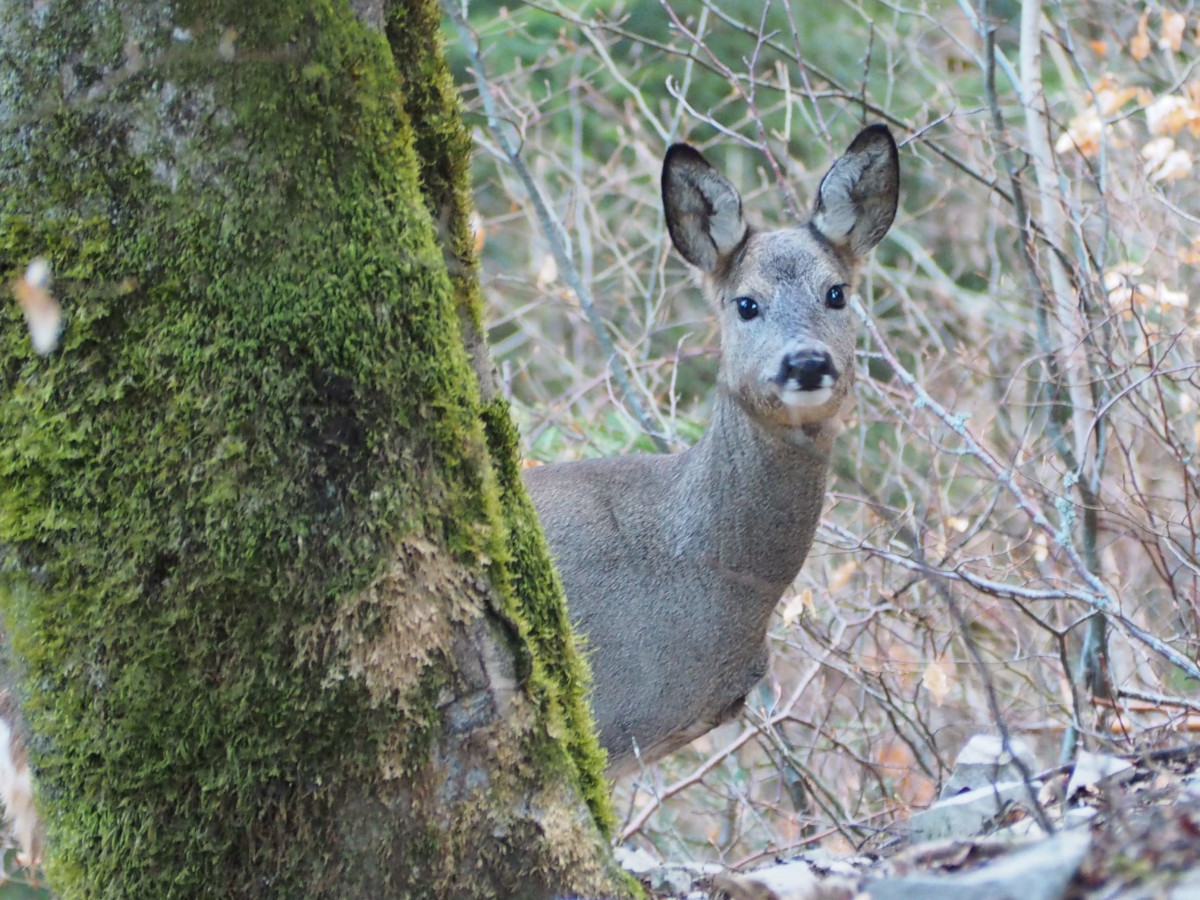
285,620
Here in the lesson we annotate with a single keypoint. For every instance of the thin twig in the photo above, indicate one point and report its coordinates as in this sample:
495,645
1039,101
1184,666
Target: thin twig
1099,596
550,226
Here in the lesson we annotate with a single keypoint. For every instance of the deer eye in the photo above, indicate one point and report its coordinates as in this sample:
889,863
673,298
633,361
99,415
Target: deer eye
747,308
835,297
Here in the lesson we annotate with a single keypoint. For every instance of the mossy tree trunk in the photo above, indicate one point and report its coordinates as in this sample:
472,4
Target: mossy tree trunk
284,618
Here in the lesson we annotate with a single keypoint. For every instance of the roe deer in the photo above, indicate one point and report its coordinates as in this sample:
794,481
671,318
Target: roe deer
673,564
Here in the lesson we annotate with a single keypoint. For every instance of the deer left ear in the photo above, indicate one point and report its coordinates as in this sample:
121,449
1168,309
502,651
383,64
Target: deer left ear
857,200
703,209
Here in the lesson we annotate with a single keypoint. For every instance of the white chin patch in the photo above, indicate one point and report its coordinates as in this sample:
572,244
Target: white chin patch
795,398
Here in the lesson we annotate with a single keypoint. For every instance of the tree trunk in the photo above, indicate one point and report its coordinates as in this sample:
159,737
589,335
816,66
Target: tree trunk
285,619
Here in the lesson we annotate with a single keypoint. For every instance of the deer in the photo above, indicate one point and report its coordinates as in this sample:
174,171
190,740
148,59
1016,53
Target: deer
672,564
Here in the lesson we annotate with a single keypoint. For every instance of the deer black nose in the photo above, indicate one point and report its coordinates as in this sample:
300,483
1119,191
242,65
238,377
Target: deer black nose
808,369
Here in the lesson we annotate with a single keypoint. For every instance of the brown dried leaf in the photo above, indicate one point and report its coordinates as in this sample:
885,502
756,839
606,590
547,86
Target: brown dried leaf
1170,114
1168,297
1190,256
841,575
43,315
1041,546
1178,164
1155,152
1082,134
1113,99
227,45
1139,44
1172,31
795,608
547,273
936,681
478,231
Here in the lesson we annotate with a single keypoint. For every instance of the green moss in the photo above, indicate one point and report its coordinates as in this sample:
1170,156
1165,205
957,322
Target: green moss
533,597
543,617
261,390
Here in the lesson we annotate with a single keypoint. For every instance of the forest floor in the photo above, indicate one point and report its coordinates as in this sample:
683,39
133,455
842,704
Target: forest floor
1106,828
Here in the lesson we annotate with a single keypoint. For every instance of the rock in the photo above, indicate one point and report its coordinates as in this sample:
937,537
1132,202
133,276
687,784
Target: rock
790,881
1092,768
1023,829
1039,872
1187,888
983,761
635,860
675,879
1078,816
824,862
966,814
681,879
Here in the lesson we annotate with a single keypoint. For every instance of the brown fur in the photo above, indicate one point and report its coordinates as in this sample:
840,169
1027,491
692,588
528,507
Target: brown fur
673,564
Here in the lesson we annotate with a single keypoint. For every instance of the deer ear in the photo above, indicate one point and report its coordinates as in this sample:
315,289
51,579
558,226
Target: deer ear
704,211
856,202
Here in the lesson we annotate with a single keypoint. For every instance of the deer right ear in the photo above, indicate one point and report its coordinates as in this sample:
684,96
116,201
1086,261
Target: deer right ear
703,210
857,199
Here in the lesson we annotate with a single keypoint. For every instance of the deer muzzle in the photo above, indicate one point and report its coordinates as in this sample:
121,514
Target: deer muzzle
807,370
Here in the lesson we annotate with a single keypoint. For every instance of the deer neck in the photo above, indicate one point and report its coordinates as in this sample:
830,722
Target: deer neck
749,498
